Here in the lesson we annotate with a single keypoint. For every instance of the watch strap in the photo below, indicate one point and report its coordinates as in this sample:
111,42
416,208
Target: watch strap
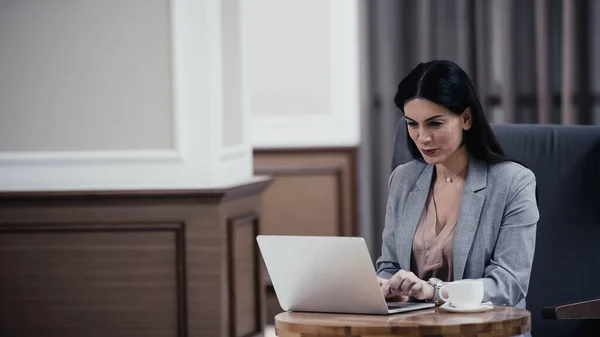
436,294
437,287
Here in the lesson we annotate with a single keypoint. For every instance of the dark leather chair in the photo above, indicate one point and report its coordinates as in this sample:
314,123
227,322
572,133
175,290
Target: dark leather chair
566,269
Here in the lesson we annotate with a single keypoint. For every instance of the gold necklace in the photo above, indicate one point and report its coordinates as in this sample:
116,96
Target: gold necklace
451,179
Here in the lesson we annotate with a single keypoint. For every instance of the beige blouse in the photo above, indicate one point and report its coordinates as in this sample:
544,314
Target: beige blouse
433,241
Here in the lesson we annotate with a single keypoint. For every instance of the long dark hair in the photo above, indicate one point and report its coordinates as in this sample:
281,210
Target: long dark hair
446,84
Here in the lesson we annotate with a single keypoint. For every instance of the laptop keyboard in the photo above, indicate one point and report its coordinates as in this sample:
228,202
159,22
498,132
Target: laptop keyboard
399,305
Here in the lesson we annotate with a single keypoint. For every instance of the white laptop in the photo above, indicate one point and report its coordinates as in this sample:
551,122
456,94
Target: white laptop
326,274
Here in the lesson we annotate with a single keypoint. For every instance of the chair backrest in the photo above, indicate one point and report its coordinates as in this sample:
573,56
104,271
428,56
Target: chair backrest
566,163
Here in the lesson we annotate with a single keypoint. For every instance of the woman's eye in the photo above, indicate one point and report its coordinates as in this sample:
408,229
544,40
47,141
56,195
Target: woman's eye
412,124
435,124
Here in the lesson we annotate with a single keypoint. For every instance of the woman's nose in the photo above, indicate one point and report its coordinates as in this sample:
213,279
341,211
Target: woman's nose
424,136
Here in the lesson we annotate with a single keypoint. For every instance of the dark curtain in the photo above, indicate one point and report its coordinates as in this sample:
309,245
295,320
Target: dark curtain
532,61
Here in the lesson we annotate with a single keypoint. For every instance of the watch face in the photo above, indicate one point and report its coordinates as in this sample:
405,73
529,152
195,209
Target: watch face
436,281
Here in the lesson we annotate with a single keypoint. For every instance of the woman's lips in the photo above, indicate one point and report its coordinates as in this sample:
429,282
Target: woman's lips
429,152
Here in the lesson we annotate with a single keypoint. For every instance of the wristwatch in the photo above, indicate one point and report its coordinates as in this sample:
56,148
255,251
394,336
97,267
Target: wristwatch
437,286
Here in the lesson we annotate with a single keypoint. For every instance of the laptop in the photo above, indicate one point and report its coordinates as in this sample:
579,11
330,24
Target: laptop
326,274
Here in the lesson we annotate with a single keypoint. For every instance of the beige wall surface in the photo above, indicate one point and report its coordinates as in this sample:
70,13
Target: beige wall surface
85,75
288,57
303,72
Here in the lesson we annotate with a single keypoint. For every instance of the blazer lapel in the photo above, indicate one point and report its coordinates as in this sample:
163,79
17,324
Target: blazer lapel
470,212
415,204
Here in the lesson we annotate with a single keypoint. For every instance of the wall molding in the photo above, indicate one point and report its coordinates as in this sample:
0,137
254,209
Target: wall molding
235,151
88,157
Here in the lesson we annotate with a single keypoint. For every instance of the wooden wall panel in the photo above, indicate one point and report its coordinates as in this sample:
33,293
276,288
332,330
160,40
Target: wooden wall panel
304,203
72,279
313,192
246,306
131,263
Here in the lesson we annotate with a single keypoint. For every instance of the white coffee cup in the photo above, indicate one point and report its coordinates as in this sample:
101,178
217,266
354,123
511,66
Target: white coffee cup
463,294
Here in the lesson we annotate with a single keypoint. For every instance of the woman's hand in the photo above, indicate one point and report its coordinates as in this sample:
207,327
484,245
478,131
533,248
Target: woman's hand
405,283
390,298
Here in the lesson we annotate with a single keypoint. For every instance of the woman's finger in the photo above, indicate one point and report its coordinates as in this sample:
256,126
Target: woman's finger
385,289
397,298
416,291
409,280
396,281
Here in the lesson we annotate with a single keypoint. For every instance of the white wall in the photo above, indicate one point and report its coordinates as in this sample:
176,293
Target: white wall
106,94
303,77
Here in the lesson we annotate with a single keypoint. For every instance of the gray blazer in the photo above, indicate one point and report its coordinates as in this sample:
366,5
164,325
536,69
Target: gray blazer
495,234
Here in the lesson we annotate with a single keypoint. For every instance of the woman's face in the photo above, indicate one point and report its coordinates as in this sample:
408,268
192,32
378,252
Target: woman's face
436,131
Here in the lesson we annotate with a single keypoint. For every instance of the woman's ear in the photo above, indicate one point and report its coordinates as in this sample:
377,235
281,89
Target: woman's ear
467,119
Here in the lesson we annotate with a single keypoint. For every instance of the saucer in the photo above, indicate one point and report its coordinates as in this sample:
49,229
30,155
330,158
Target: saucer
481,308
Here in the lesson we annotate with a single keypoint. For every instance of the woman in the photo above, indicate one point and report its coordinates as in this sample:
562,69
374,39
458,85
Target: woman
460,209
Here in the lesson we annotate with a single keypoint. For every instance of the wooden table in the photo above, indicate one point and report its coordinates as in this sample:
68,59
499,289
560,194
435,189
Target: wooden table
498,322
